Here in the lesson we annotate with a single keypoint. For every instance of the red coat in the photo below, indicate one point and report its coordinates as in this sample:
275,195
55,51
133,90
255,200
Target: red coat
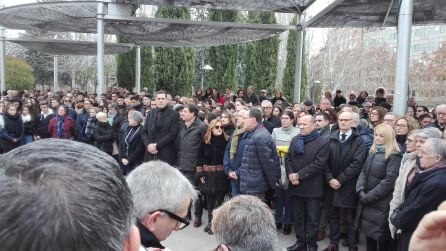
68,127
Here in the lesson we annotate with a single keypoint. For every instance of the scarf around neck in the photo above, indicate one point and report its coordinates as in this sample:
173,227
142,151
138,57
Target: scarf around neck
301,140
59,126
234,142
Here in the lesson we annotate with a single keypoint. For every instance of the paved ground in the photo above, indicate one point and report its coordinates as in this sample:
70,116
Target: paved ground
195,239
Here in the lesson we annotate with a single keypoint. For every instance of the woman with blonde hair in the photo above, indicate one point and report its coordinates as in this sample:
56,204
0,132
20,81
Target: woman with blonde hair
375,187
213,181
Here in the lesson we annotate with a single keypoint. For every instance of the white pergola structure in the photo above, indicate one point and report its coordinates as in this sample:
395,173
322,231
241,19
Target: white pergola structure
115,17
66,47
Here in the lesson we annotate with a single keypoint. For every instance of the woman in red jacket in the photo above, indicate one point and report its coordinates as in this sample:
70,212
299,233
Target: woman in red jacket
61,126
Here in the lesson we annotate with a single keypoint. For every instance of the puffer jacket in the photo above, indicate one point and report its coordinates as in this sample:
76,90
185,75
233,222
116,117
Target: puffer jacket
310,166
345,166
189,143
377,181
260,166
103,137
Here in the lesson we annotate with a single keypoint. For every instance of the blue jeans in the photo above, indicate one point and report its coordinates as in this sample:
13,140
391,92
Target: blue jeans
306,212
26,139
335,226
283,204
235,187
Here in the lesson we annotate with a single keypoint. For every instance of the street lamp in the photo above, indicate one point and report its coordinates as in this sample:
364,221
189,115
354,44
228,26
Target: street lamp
203,70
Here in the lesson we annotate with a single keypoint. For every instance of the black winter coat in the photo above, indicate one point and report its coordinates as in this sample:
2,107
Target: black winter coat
131,148
345,164
216,182
161,127
42,125
377,180
423,195
310,166
103,137
189,143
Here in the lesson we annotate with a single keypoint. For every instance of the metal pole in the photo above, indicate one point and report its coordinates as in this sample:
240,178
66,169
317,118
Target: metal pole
403,57
202,73
100,52
298,69
138,70
55,72
2,57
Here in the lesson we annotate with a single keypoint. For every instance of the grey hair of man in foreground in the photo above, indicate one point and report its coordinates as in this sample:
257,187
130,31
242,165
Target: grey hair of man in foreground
245,223
156,185
64,195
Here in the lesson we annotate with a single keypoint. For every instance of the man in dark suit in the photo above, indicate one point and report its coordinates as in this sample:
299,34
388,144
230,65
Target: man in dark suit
306,163
160,131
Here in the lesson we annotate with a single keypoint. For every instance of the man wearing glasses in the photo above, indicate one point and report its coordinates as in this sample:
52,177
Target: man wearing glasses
441,117
161,197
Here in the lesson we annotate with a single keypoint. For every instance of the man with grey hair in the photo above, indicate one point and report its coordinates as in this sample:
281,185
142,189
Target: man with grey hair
161,197
425,191
245,223
268,115
390,119
440,122
71,198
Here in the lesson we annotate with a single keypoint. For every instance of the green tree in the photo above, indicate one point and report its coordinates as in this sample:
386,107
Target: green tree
288,78
19,74
125,72
261,56
175,67
223,58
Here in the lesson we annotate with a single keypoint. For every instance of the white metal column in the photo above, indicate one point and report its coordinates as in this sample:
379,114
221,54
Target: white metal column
2,57
403,57
100,52
138,69
298,69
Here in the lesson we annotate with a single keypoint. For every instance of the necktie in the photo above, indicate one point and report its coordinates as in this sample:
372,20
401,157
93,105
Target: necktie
343,137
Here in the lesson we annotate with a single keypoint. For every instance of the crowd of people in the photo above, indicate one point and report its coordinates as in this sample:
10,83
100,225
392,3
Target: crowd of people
347,163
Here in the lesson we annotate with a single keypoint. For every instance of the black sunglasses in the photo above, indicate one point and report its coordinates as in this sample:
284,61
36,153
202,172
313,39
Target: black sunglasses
182,222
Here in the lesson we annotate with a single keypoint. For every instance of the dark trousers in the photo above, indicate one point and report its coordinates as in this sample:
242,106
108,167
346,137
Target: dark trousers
213,202
335,226
198,204
306,212
374,245
283,204
323,222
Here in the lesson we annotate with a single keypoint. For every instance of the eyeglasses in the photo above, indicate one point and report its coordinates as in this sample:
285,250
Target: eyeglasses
182,222
218,127
220,248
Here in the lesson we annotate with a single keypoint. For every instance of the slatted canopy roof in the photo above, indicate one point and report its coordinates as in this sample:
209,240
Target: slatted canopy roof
80,16
66,47
287,6
370,13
